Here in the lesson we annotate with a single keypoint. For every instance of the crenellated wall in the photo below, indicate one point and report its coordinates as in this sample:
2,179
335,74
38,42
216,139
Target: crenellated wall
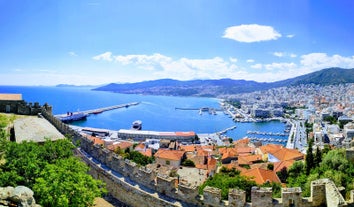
152,189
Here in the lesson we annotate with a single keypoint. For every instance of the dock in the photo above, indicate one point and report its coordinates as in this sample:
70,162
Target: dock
103,109
226,130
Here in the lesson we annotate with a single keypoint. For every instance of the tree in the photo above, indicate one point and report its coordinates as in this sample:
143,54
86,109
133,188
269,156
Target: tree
188,163
66,183
309,157
283,175
270,166
318,157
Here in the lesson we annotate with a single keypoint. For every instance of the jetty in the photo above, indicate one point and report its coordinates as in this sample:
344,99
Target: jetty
100,110
226,130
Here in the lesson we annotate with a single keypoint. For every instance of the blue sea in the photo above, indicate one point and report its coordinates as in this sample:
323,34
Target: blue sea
157,113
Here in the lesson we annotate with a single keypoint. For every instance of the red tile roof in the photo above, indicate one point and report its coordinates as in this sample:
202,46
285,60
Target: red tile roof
249,159
169,154
270,148
10,97
244,150
261,176
121,145
278,166
284,154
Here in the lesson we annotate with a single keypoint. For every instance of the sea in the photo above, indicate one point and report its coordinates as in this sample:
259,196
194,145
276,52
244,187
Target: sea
157,113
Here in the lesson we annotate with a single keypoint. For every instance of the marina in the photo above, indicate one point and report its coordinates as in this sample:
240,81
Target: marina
268,133
267,139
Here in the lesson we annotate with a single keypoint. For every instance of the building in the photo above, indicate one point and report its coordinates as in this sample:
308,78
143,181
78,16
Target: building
169,157
140,135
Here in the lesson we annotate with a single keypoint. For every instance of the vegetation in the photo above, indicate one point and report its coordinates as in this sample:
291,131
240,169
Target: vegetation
234,102
229,179
188,163
330,119
134,156
52,171
333,165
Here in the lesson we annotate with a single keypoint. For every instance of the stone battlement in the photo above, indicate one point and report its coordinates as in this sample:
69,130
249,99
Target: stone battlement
323,192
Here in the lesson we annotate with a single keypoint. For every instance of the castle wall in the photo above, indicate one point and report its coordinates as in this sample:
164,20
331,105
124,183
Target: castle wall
237,198
261,197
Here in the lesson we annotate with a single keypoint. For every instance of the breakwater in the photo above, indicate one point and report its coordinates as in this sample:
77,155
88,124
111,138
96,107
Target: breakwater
143,187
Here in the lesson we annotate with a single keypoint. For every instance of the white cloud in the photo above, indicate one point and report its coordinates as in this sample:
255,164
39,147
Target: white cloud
257,66
280,66
139,67
251,33
104,56
278,54
290,36
73,54
234,60
162,66
284,54
314,61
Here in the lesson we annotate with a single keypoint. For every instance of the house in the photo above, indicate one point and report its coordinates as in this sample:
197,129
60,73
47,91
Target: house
249,159
284,154
228,154
120,145
278,166
261,176
169,157
143,149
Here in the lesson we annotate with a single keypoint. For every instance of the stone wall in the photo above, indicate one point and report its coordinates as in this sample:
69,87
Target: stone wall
157,186
18,196
22,107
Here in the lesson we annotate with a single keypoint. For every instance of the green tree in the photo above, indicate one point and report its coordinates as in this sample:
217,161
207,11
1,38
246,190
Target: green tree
270,166
318,157
309,157
66,183
283,175
188,163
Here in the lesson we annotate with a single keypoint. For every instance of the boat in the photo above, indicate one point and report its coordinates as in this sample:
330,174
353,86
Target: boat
137,125
70,117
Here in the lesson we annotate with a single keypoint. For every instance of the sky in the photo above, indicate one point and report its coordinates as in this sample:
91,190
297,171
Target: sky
93,42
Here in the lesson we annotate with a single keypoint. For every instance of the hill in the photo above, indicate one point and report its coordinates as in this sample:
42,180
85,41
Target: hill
215,88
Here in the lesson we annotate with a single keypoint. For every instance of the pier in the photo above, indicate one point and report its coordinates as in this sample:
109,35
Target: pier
103,109
226,130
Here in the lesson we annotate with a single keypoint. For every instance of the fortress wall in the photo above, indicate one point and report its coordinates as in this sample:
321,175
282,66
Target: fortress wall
211,197
146,177
318,193
190,194
261,197
134,196
237,198
125,192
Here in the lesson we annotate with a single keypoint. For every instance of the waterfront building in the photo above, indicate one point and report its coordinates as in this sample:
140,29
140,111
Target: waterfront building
141,135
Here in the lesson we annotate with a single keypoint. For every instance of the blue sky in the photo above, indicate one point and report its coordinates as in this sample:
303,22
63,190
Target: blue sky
47,42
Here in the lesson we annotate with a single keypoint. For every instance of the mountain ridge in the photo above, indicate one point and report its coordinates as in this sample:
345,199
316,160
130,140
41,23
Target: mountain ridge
226,86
